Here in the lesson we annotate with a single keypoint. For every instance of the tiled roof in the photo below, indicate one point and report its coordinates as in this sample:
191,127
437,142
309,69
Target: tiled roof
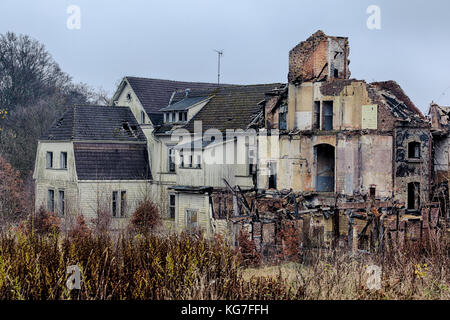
111,161
232,107
96,123
155,94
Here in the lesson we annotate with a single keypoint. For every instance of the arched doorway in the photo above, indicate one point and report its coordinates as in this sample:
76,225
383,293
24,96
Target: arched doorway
324,154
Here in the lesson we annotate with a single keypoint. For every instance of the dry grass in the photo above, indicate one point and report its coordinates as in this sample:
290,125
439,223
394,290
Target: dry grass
182,266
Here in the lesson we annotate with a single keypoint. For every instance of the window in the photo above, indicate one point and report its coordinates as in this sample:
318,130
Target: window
142,117
128,97
413,196
61,203
190,161
316,120
49,164
282,118
63,160
198,165
328,115
252,160
272,166
172,206
181,161
171,154
51,201
414,150
123,203
114,203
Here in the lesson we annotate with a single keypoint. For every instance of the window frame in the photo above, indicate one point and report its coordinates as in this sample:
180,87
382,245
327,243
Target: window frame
63,160
413,147
47,166
172,206
52,201
61,203
123,203
114,206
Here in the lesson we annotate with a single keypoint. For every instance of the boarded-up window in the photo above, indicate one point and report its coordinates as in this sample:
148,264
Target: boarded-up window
191,220
316,120
49,162
51,201
369,117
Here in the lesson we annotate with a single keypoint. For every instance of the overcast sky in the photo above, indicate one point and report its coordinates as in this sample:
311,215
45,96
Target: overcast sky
176,39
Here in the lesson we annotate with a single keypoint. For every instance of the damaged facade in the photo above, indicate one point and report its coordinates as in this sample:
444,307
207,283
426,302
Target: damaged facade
337,154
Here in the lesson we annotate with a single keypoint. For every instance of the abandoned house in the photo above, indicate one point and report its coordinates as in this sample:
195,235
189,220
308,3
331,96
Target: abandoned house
326,145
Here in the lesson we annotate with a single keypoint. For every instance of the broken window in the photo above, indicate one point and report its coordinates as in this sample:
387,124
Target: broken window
413,196
61,203
414,150
172,206
328,115
272,166
51,200
49,158
123,203
251,160
114,203
282,117
63,160
191,220
324,155
171,153
316,120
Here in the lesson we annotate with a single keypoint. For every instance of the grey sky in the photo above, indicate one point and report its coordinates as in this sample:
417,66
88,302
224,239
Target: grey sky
175,39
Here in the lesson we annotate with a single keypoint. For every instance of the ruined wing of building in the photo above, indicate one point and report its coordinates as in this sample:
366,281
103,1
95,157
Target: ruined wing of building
336,137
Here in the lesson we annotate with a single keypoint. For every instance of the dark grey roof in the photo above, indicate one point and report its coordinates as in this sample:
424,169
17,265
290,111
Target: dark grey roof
111,161
96,123
155,94
184,104
232,107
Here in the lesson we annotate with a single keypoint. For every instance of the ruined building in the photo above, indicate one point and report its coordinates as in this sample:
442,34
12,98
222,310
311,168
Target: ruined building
329,150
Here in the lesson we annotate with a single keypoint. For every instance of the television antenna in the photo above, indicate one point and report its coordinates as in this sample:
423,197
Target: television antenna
219,55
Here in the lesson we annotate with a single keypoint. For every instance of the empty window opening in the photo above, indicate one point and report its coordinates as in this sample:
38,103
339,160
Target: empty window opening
372,191
272,167
51,201
316,120
172,206
61,203
324,155
414,150
114,203
336,73
123,203
328,115
49,160
413,196
63,160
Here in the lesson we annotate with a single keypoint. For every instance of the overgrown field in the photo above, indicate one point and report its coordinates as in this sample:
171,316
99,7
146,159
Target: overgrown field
193,267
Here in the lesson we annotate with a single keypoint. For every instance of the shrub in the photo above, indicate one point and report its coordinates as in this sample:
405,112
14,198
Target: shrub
247,253
102,222
80,230
44,222
146,218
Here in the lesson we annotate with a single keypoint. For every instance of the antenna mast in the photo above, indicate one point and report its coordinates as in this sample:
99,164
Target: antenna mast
219,54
